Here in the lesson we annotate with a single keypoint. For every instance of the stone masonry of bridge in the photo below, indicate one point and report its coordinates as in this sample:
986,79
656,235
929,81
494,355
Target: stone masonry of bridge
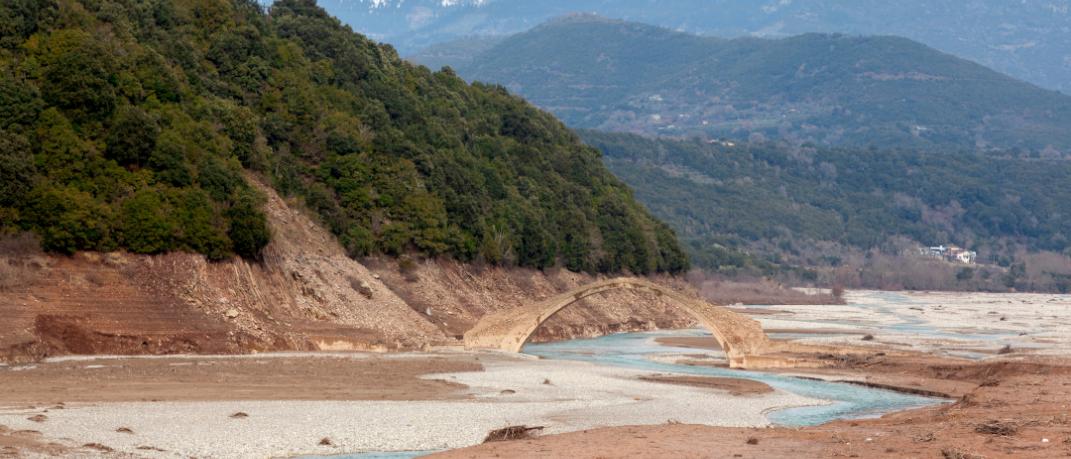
740,337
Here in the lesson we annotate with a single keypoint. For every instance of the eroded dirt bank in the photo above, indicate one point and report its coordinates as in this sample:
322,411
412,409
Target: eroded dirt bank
1011,408
306,294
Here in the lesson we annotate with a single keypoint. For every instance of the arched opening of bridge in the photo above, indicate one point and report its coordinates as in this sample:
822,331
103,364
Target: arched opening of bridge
740,337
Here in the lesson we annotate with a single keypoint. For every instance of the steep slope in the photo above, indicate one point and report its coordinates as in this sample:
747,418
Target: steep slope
129,124
810,207
303,296
826,89
306,294
1028,39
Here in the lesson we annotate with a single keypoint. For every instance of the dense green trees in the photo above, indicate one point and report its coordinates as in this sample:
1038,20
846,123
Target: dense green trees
757,206
132,137
130,124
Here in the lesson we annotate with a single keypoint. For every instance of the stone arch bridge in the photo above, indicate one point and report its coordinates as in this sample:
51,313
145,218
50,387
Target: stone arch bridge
740,337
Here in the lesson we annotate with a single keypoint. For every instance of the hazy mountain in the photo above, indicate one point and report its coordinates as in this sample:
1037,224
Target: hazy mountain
827,89
1028,39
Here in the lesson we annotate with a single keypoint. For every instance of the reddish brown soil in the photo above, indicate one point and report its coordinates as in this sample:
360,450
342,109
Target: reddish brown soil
734,386
1011,407
205,379
64,311
666,441
19,443
912,371
690,342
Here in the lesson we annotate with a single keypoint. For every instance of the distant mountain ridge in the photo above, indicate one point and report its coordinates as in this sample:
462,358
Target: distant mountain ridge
1028,39
598,73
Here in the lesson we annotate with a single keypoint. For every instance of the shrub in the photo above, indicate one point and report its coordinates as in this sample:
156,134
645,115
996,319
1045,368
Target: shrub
132,137
168,161
248,231
200,225
19,244
148,225
69,220
16,168
78,74
408,269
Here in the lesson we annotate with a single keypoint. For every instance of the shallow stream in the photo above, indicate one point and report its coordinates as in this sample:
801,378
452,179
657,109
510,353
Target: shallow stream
640,351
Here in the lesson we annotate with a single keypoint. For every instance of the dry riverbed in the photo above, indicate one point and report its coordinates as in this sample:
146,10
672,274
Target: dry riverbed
278,405
1007,409
1010,403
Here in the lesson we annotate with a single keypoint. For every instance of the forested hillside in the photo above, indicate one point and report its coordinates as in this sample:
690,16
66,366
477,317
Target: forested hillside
825,89
805,207
131,124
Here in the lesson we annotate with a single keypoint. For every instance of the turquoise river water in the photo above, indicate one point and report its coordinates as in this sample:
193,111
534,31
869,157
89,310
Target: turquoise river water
637,350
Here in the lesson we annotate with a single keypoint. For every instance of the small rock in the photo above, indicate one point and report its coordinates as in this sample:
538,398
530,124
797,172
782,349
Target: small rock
125,430
752,441
98,447
37,418
508,392
232,313
239,415
512,433
326,442
1044,440
150,448
364,288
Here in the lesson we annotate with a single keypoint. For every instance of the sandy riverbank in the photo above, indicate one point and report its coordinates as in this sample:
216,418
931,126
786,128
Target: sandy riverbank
973,325
1007,409
184,406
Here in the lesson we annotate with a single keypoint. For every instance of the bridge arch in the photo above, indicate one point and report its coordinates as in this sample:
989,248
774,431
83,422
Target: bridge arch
508,330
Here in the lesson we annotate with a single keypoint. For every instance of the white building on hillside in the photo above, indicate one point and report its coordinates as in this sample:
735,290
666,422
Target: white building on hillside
950,253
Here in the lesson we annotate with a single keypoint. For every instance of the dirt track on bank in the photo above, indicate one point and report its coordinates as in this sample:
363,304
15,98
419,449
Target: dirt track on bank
356,377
